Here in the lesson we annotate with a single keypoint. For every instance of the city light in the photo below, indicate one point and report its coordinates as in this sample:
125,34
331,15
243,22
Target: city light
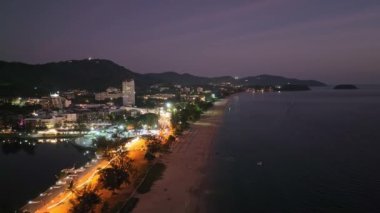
54,95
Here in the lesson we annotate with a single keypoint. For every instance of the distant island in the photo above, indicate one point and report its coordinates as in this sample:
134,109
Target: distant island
345,86
98,74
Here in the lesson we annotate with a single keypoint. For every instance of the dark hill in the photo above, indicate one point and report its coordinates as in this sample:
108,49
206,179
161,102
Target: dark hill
267,80
173,77
98,74
88,74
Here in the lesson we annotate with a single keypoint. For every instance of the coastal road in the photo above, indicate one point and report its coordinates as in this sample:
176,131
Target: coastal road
57,199
57,195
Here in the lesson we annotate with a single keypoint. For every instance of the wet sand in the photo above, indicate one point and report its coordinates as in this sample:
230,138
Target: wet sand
179,187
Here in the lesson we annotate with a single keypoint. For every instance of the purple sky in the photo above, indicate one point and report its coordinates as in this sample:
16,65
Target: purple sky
335,41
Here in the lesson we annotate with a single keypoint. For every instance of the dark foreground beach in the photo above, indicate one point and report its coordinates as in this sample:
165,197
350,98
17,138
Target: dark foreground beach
179,187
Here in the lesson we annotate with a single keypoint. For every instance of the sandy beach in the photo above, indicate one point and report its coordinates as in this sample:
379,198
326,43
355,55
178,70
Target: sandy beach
177,190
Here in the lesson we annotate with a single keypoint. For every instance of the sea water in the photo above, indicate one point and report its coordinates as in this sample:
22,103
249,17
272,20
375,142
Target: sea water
312,151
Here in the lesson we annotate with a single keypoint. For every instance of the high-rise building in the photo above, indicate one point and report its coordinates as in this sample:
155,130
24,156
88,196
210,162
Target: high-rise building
128,90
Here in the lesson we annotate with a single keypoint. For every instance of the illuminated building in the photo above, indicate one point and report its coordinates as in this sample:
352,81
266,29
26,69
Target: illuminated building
58,101
128,91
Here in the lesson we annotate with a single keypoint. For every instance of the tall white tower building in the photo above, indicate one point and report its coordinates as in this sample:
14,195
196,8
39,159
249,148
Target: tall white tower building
128,90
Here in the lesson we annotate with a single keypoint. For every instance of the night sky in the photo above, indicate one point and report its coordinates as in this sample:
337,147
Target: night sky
335,41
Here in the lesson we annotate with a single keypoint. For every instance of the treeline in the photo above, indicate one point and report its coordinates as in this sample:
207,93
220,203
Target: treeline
184,113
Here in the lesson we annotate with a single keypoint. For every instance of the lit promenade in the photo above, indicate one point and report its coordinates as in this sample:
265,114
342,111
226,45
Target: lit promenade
58,199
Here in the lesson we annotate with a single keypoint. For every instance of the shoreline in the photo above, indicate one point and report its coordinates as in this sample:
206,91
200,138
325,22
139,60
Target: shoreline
177,190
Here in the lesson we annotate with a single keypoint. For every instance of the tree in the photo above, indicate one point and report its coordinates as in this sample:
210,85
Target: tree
131,123
112,178
85,201
122,161
149,119
154,146
118,173
101,143
118,117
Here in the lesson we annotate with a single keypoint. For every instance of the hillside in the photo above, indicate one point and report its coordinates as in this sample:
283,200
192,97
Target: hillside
173,77
98,74
94,74
264,80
